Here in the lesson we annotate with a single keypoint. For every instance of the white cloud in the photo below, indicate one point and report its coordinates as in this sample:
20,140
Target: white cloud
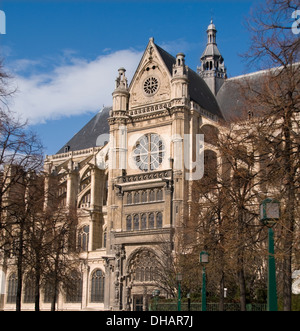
74,88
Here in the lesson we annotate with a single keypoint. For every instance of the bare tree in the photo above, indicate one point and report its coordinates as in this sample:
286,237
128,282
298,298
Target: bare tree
274,99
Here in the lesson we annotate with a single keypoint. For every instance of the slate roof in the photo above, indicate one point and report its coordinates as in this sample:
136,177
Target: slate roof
198,89
87,136
230,97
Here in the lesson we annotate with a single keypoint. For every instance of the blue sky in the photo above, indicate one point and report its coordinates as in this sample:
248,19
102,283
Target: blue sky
64,55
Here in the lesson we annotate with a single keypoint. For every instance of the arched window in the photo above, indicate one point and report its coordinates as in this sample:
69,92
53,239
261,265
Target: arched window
143,221
136,197
211,134
142,266
104,238
74,288
86,200
12,288
129,223
144,196
151,221
159,195
62,194
97,286
48,293
83,239
29,293
151,196
159,220
129,199
85,181
136,222
211,166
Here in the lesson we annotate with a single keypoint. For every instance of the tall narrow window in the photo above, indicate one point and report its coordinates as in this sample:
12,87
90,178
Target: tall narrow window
104,238
143,221
159,195
97,286
12,288
136,197
49,288
147,274
129,199
152,196
144,196
128,223
138,274
159,220
29,292
151,221
136,222
83,239
74,290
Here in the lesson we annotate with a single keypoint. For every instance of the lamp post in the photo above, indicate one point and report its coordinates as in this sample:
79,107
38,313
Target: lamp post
203,261
179,279
189,301
269,215
156,294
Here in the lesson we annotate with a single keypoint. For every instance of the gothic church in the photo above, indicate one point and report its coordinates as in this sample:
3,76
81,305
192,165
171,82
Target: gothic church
127,175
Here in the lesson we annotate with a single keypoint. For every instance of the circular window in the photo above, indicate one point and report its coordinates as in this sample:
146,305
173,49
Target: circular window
149,152
151,85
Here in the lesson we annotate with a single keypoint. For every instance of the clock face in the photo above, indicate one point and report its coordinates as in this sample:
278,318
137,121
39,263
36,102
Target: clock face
149,152
151,86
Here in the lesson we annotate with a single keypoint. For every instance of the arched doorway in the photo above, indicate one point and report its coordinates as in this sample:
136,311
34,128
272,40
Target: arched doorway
141,267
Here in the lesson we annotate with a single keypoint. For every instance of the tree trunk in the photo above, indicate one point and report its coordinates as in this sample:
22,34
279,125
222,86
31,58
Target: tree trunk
242,285
37,288
221,298
20,269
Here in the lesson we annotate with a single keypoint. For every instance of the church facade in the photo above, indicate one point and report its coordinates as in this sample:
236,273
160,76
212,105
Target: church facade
128,174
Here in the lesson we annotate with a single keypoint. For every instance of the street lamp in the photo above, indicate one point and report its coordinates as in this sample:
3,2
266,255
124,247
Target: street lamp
156,294
189,301
269,215
179,279
204,259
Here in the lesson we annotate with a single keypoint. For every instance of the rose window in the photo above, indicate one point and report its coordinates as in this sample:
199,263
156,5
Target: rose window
151,85
149,152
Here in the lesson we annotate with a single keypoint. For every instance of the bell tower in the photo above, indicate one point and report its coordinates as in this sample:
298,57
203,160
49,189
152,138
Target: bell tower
212,68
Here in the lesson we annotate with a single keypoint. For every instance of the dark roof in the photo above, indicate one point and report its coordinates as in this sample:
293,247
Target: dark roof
198,89
202,95
87,136
229,100
231,97
167,58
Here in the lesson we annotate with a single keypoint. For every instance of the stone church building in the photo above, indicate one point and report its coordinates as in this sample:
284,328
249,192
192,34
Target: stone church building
128,173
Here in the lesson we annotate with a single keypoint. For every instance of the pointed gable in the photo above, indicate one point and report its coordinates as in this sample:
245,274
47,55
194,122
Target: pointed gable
151,82
157,57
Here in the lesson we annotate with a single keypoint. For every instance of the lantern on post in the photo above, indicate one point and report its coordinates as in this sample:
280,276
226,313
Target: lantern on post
204,259
179,280
269,215
269,212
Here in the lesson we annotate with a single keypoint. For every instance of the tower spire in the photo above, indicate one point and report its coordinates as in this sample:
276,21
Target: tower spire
212,68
